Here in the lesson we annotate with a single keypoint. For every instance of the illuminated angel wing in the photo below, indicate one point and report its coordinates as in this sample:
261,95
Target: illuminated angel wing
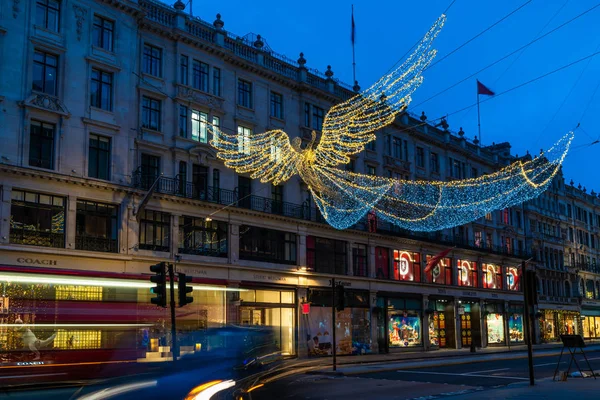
432,206
350,125
268,156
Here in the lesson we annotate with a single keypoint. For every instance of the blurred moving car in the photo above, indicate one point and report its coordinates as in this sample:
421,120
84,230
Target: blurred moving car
229,365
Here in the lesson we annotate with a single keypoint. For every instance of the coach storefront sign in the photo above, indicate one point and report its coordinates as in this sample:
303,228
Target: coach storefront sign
36,261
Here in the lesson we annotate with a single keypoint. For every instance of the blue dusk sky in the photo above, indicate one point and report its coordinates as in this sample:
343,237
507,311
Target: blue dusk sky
530,118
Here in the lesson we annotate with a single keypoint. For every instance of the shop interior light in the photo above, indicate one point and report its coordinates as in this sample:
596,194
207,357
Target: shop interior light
41,326
115,283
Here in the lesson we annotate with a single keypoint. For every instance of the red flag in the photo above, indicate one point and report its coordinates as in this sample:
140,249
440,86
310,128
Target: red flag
482,89
433,261
352,37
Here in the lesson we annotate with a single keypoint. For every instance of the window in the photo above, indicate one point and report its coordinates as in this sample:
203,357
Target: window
277,197
101,93
326,255
351,165
371,170
244,191
183,121
152,62
47,14
492,276
318,115
474,172
397,148
200,181
45,73
182,178
37,219
307,115
478,238
372,145
467,273
434,162
260,244
99,157
183,69
216,81
216,183
200,75
41,144
96,227
420,157
505,216
407,266
154,231
151,113
518,218
276,105
440,273
150,169
382,267
244,93
244,135
103,32
488,216
199,129
197,236
360,262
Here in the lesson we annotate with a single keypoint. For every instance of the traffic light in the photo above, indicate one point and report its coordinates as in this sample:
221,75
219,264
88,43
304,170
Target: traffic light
160,278
184,289
340,298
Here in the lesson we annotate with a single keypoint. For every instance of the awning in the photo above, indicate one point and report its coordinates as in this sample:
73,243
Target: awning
590,313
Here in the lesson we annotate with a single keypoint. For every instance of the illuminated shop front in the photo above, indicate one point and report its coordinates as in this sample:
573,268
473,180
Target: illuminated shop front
492,276
440,273
404,322
516,334
467,273
554,323
353,324
441,325
470,327
494,324
591,323
271,308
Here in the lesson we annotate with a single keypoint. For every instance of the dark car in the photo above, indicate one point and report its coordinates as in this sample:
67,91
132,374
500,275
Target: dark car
229,363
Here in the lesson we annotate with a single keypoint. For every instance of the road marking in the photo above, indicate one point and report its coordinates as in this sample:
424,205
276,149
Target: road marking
29,376
489,370
465,375
543,365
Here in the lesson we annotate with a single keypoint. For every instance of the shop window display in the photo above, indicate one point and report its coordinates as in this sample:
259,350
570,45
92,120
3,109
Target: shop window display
467,273
495,329
492,276
515,328
407,266
404,330
352,331
591,327
440,273
513,281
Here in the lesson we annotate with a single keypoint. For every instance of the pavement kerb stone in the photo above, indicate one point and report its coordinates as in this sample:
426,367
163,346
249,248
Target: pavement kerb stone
423,364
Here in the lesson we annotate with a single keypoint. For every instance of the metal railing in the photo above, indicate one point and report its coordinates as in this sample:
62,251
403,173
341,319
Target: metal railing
37,238
92,243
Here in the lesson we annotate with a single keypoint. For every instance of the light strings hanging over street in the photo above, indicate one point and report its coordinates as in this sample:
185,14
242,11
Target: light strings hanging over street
344,197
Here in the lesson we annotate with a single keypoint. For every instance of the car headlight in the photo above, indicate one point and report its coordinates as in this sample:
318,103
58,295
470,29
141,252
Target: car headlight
207,390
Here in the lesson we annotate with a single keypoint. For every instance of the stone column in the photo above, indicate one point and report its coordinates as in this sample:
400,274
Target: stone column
133,229
423,265
374,333
70,226
234,243
350,270
232,304
483,324
372,260
301,260
457,331
425,323
454,264
175,233
5,214
506,330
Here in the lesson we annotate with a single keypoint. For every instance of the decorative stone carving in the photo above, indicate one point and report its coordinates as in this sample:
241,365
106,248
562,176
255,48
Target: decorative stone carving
199,97
16,8
46,102
80,14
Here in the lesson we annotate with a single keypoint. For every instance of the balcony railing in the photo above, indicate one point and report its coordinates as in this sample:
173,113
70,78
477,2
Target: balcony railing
191,190
92,243
38,238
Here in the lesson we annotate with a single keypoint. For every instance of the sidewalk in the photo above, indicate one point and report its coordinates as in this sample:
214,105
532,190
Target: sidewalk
389,362
579,388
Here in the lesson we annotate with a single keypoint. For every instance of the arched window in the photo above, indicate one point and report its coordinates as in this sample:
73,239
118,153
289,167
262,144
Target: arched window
590,290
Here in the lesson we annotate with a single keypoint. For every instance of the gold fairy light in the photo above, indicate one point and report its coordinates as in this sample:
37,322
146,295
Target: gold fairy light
344,197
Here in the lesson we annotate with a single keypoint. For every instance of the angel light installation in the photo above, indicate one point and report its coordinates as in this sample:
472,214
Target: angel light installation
345,197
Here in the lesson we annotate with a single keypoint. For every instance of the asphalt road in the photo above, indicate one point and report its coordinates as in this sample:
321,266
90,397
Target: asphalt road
411,383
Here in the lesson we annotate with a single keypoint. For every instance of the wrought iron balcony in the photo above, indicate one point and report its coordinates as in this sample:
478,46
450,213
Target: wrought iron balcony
93,243
37,238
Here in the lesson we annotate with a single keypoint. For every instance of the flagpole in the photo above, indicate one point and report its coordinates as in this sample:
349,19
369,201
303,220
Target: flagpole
353,56
478,118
